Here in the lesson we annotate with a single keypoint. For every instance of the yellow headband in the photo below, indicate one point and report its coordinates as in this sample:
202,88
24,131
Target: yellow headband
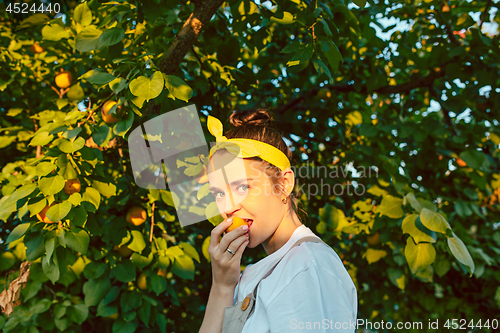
247,147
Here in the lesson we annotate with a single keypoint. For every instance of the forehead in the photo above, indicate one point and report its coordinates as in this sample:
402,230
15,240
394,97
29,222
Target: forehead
224,167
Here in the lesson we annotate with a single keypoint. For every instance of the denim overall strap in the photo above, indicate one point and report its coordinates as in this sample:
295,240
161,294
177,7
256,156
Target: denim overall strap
235,316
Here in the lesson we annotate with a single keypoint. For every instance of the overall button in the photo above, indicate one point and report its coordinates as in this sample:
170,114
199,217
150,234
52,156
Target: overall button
245,303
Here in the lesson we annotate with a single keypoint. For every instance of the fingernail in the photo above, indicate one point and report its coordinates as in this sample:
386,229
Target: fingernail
245,227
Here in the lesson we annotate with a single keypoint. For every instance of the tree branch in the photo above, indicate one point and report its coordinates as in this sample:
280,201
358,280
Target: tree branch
199,18
413,83
484,14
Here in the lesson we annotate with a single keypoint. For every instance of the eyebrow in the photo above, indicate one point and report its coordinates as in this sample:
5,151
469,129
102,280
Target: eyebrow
236,182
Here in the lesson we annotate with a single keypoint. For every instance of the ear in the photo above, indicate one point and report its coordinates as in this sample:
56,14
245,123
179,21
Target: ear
288,181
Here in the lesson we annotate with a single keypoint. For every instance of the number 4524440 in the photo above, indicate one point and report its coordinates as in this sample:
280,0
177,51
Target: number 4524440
25,8
462,324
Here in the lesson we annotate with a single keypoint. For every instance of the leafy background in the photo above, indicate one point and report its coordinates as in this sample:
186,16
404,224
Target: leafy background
405,91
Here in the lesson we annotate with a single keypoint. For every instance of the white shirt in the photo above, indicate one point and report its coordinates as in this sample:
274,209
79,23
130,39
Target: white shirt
308,291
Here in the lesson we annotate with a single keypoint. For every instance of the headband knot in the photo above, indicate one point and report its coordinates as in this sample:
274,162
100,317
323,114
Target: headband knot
245,148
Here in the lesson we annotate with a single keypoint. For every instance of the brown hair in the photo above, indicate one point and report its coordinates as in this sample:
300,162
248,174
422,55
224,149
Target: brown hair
258,124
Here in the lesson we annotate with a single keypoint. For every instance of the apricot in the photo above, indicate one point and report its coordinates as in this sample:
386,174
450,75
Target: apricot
237,222
136,215
72,186
41,216
109,117
63,80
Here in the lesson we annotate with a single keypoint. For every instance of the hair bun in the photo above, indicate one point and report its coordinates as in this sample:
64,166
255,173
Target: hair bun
259,117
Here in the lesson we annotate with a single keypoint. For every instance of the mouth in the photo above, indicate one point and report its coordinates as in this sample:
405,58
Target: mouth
249,222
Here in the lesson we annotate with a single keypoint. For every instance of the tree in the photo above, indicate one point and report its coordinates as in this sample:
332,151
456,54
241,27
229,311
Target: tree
414,110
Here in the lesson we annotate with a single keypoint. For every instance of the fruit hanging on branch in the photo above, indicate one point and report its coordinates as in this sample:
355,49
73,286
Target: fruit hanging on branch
136,215
106,116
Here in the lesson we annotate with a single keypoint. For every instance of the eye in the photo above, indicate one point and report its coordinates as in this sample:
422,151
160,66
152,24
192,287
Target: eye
243,185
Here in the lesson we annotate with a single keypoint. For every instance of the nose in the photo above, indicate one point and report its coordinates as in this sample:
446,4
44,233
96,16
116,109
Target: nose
229,208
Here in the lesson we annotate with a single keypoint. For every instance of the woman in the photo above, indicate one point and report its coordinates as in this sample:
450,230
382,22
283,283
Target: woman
295,288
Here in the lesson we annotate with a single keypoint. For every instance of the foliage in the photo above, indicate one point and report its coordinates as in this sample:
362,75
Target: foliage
413,217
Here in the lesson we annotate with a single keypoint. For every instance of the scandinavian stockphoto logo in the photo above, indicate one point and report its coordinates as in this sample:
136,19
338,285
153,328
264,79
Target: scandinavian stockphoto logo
170,153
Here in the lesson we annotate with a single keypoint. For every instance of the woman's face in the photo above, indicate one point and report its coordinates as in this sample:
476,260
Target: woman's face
247,192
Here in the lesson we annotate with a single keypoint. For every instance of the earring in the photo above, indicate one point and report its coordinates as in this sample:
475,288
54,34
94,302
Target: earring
284,200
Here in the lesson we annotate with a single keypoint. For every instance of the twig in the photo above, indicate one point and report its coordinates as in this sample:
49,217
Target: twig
484,14
152,222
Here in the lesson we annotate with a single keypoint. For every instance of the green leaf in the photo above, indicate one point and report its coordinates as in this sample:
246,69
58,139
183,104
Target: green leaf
76,93
374,255
360,3
35,246
7,260
190,250
178,87
123,126
419,256
88,39
412,226
441,266
44,168
102,135
147,88
283,18
17,232
33,20
41,139
59,211
138,243
83,15
183,267
106,189
170,198
122,326
332,53
118,85
50,266
397,277
78,241
124,271
6,140
111,37
95,76
377,191
70,146
55,32
460,252
212,213
434,221
141,261
95,290
78,313
51,185
302,55
20,193
391,207
93,196
159,284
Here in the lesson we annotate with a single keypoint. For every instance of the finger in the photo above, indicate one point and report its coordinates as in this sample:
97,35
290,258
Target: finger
239,253
218,230
232,236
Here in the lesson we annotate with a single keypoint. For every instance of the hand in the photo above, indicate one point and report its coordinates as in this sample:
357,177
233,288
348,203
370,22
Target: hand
226,266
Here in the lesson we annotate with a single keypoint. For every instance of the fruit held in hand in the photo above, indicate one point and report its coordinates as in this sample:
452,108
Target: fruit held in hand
109,117
63,80
72,186
237,222
41,216
136,215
